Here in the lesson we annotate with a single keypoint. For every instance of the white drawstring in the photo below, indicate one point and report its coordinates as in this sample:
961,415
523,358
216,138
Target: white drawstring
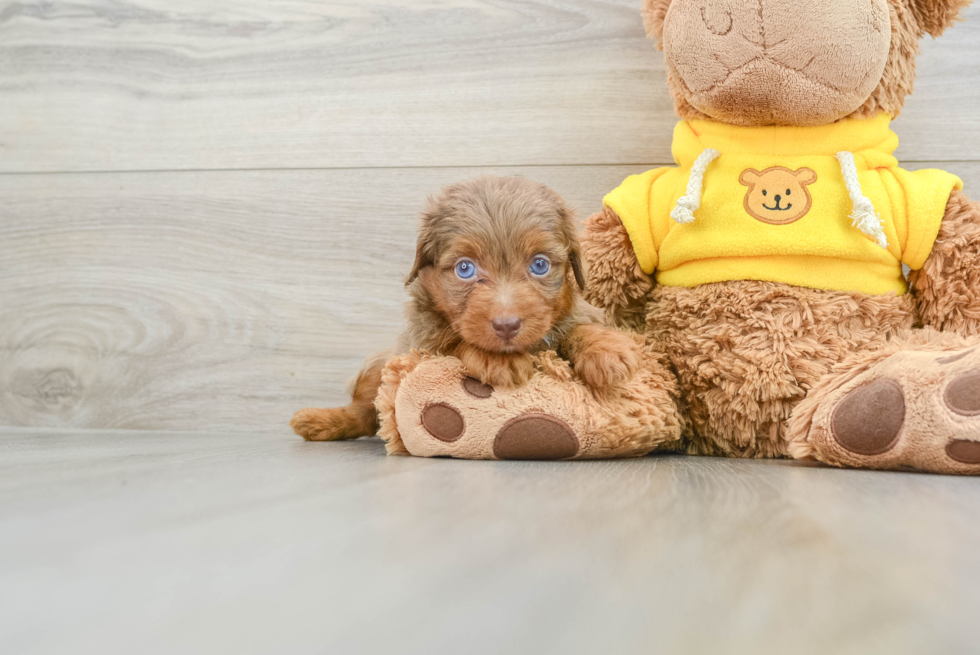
691,200
863,217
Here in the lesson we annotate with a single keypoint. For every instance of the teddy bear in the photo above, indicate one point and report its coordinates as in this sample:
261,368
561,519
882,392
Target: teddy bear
797,292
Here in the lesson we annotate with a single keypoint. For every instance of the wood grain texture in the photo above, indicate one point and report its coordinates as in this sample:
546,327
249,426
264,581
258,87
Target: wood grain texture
259,543
208,300
209,84
201,300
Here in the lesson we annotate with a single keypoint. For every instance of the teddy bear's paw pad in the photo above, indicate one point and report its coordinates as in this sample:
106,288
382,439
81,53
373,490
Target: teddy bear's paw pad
915,409
869,420
477,389
963,394
963,451
962,397
443,421
535,436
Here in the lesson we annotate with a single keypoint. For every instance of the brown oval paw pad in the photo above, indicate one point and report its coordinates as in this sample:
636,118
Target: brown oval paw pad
955,358
963,394
476,388
443,422
869,420
965,452
535,436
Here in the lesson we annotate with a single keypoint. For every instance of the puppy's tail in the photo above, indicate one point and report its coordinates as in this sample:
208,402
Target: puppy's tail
358,419
332,424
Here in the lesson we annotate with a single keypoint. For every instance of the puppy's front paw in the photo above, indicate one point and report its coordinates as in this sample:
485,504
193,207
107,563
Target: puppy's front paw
602,357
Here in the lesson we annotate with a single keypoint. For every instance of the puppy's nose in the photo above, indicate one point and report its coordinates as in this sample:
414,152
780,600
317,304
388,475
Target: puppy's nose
778,198
506,327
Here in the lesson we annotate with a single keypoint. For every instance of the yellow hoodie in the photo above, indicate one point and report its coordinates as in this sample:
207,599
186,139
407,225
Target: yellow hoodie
822,207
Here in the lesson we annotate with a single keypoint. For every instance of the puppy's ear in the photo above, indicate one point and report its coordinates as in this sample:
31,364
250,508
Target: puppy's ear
570,232
575,259
934,16
425,249
423,257
654,13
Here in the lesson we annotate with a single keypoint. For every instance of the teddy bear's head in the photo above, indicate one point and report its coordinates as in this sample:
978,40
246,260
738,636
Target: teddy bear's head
790,62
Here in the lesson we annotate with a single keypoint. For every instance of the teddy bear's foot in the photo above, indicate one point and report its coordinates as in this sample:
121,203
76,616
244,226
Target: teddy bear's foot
915,407
429,407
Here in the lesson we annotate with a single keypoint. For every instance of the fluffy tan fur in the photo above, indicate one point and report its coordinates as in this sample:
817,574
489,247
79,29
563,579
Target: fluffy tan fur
616,281
747,352
756,361
947,288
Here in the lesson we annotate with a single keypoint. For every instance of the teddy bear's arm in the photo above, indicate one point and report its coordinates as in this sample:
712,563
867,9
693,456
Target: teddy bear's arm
615,281
947,288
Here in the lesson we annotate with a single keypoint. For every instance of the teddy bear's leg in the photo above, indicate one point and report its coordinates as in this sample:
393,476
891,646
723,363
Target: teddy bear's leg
747,352
914,404
429,407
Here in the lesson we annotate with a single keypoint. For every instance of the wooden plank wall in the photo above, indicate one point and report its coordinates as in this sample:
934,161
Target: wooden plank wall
207,208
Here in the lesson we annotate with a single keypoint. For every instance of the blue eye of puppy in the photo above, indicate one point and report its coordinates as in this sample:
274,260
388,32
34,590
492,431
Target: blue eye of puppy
540,266
465,269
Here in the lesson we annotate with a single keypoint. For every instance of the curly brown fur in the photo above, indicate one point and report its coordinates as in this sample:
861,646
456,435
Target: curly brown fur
616,281
496,318
747,352
601,357
947,287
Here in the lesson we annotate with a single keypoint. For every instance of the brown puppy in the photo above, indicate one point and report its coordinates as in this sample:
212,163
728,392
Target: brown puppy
497,277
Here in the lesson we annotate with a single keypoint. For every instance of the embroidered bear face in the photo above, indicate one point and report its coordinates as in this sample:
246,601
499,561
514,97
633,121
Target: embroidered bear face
778,195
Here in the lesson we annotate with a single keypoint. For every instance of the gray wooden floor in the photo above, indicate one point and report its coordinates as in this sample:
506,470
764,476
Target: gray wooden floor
123,542
206,212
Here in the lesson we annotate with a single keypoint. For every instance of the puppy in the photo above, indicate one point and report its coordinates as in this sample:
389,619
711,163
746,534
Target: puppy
497,277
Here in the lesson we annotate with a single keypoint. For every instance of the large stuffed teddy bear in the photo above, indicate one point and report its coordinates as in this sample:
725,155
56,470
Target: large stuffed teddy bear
765,269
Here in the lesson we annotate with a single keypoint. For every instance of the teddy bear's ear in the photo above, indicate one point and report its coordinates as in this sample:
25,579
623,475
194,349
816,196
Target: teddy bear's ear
934,16
750,177
654,13
805,176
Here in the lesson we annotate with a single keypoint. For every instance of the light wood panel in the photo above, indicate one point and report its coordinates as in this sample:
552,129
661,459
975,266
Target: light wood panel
199,300
157,542
211,84
206,300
